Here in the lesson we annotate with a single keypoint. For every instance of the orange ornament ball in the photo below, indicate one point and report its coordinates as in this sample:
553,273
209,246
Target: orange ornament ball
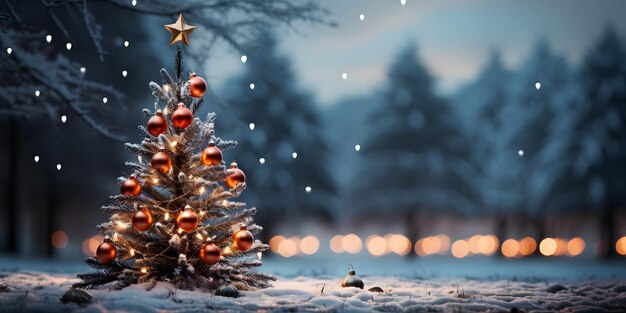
187,220
131,186
210,254
182,117
161,162
243,239
236,177
106,252
212,155
157,124
142,220
197,86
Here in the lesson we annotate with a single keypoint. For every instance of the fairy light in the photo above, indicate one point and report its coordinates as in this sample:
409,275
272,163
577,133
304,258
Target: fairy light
122,225
166,111
260,255
227,250
174,143
167,216
180,230
224,202
144,270
155,181
166,88
202,190
115,236
132,252
199,236
139,159
202,213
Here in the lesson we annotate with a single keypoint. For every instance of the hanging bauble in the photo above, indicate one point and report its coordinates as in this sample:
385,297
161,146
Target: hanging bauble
130,186
243,239
182,117
212,155
227,291
157,124
161,162
210,254
142,220
187,220
352,280
236,177
197,86
106,252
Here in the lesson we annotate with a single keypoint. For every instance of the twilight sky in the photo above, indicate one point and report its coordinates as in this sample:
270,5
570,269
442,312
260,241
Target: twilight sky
454,38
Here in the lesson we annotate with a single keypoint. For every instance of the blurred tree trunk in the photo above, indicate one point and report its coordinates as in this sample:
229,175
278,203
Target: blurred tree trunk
608,228
52,211
12,183
540,232
412,230
501,232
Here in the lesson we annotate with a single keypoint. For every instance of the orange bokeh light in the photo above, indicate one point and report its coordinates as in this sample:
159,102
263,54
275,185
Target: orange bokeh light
274,242
527,246
445,243
287,248
488,245
399,244
548,246
473,244
510,248
576,246
91,244
460,249
431,245
352,243
376,245
620,246
59,239
336,244
309,244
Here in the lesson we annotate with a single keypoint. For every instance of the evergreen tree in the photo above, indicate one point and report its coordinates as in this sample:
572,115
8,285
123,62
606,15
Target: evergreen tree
495,159
530,114
173,220
285,122
594,131
415,159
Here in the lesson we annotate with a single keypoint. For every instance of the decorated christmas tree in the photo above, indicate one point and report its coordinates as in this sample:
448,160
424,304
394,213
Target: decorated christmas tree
175,219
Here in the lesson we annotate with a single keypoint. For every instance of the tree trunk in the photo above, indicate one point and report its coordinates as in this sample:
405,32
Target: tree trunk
608,227
12,183
501,232
412,229
540,228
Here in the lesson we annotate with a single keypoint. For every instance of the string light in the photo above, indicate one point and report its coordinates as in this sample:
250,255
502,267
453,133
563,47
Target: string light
155,181
251,125
167,216
144,270
180,230
166,88
115,236
173,143
202,190
202,213
122,225
199,236
139,159
132,252
227,250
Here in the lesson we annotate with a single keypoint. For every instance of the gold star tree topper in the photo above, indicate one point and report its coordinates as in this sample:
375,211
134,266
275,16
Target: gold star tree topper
180,30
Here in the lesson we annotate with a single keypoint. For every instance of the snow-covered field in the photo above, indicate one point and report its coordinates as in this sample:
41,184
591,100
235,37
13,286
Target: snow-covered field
35,288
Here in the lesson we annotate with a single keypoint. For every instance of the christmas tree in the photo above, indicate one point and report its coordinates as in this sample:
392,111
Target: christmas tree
174,220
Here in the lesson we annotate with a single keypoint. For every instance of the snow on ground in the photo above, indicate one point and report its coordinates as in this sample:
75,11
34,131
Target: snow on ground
37,287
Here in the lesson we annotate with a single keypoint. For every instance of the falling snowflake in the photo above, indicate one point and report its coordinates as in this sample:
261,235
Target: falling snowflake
252,86
362,17
357,147
537,85
262,160
244,59
344,76
403,2
105,100
124,73
37,93
63,118
294,155
126,43
36,159
68,46
58,167
134,2
48,38
9,50
83,70
308,189
520,152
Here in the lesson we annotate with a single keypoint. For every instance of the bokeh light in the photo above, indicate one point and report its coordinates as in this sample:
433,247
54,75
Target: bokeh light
90,245
510,248
431,245
620,246
274,242
488,245
352,243
575,246
336,244
473,244
288,248
527,246
376,245
548,246
59,239
460,249
445,243
309,244
399,244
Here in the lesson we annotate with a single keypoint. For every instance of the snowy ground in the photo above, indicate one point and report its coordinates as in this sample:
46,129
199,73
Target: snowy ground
37,287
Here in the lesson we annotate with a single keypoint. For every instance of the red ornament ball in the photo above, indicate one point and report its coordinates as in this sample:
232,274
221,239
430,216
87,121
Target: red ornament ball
182,117
210,254
161,162
197,86
157,124
106,252
130,186
243,239
236,177
212,155
142,220
187,220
